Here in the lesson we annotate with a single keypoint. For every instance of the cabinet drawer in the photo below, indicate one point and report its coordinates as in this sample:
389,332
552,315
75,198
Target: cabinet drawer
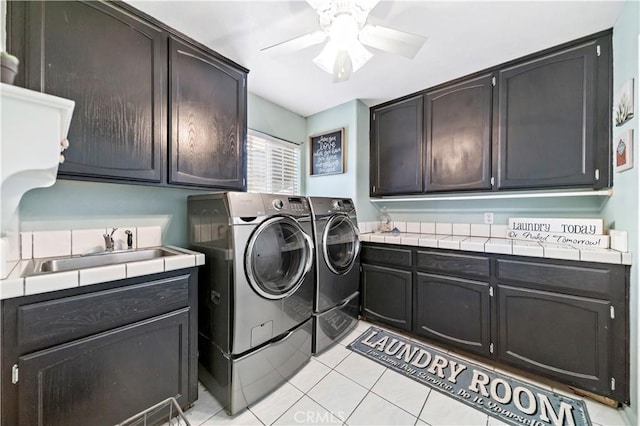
51,322
455,264
593,280
386,256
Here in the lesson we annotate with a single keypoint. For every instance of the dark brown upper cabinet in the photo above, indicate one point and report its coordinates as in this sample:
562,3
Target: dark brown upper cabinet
396,148
458,136
552,121
208,120
111,64
539,122
152,106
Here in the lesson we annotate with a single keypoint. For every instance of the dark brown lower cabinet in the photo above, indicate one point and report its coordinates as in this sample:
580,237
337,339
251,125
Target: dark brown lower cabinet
563,320
386,295
106,378
560,335
99,354
453,310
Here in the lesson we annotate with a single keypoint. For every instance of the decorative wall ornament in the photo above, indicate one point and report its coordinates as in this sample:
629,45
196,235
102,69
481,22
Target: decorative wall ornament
623,103
623,151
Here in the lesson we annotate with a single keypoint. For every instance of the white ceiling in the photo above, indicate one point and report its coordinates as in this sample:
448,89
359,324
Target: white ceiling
463,37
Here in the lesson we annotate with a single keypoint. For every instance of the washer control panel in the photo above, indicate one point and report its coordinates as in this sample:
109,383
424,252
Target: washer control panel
298,206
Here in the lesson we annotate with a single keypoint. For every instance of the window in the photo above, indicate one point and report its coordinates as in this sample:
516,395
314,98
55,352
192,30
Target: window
273,165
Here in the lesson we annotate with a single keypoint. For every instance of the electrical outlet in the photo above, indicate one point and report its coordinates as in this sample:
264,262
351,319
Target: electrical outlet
488,218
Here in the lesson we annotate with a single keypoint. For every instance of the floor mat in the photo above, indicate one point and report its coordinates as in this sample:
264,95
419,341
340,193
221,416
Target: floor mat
508,399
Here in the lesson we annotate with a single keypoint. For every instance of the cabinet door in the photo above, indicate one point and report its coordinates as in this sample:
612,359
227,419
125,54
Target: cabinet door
106,378
208,120
386,295
396,148
551,122
458,136
112,65
561,336
454,311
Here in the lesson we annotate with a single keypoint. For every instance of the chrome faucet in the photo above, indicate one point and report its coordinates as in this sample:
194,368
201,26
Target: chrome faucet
108,240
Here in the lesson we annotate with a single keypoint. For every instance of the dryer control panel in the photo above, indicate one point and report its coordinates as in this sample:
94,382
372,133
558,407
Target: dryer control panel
283,204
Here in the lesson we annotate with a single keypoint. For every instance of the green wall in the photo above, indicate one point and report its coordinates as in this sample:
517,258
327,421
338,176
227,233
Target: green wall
621,210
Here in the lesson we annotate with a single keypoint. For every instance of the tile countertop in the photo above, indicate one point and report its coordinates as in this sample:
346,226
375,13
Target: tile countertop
488,244
15,285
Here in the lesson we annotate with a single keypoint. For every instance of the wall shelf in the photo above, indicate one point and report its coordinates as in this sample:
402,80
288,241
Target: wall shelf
496,196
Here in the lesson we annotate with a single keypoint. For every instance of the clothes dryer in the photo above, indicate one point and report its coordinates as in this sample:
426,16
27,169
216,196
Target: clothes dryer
337,278
255,292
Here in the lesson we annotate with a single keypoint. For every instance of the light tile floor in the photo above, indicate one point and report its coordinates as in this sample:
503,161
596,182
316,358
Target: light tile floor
340,387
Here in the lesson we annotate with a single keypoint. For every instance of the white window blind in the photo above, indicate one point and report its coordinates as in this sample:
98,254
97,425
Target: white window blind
273,165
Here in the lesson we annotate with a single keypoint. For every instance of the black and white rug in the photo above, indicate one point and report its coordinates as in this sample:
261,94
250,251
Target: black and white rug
511,400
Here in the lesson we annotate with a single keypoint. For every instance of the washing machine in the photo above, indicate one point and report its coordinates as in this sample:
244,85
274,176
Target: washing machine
255,292
337,277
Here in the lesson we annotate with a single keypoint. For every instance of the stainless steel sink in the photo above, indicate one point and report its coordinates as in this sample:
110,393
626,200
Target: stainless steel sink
70,263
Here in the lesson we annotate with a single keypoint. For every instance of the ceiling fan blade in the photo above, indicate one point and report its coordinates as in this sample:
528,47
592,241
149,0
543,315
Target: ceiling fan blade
392,41
297,43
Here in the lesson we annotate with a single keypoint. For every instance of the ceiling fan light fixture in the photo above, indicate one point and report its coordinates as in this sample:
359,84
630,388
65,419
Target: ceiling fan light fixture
343,54
334,60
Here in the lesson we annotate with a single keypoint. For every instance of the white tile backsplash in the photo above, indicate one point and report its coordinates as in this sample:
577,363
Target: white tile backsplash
149,236
51,243
480,230
401,226
461,229
26,245
413,227
499,231
444,228
84,241
427,228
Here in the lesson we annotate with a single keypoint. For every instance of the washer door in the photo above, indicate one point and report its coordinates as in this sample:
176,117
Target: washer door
279,254
340,244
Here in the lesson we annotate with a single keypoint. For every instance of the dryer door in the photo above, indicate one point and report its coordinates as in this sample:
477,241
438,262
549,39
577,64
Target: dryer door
279,254
340,244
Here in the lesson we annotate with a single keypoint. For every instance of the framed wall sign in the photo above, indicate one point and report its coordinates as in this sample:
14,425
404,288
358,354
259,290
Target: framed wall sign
327,153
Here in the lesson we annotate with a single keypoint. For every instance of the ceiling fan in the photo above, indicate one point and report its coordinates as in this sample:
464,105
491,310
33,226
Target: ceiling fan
343,23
